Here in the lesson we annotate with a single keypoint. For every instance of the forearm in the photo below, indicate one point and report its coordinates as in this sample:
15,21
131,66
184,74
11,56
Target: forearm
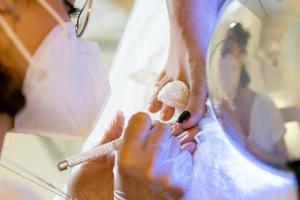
193,21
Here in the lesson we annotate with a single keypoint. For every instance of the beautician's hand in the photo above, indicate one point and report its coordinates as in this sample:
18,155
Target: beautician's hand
151,163
94,180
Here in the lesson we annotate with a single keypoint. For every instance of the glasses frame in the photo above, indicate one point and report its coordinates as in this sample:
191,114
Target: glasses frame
89,4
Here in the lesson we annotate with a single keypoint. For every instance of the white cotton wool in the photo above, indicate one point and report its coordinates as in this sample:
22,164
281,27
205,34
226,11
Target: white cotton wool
175,94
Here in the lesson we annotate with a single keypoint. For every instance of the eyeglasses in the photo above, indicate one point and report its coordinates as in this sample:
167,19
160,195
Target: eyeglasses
83,17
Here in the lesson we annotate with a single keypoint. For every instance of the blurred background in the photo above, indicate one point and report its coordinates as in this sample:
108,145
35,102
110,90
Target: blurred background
39,155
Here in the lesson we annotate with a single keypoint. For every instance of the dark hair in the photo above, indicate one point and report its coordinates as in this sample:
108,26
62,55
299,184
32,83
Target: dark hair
71,9
12,99
245,78
241,35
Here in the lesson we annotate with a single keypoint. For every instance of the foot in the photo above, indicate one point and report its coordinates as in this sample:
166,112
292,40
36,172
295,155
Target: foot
187,65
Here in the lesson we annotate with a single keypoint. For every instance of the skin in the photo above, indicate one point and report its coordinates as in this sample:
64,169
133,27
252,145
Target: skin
145,142
95,179
5,125
31,12
10,58
191,23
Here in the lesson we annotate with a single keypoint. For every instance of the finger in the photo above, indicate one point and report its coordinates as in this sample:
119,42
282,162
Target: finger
115,129
113,132
190,147
160,76
4,4
159,133
155,105
167,113
188,135
138,126
131,152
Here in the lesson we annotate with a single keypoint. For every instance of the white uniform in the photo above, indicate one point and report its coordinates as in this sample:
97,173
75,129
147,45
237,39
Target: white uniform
266,124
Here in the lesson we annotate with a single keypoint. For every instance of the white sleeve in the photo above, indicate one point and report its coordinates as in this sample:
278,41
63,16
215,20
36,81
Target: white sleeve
275,121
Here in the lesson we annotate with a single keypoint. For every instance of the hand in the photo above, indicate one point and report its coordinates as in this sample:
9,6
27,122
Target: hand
149,161
94,179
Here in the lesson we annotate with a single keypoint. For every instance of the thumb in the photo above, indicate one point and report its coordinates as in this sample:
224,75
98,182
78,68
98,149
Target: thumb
115,129
197,99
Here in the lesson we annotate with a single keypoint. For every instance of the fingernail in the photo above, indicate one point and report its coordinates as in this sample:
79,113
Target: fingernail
162,116
149,107
185,115
183,136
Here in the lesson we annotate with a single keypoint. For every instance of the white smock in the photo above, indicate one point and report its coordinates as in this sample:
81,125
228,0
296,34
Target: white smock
266,124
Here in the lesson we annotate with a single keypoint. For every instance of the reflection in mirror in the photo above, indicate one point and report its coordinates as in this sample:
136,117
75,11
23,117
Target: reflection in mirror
252,77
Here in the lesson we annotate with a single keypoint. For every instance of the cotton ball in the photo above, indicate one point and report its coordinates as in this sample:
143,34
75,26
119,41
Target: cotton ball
174,94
